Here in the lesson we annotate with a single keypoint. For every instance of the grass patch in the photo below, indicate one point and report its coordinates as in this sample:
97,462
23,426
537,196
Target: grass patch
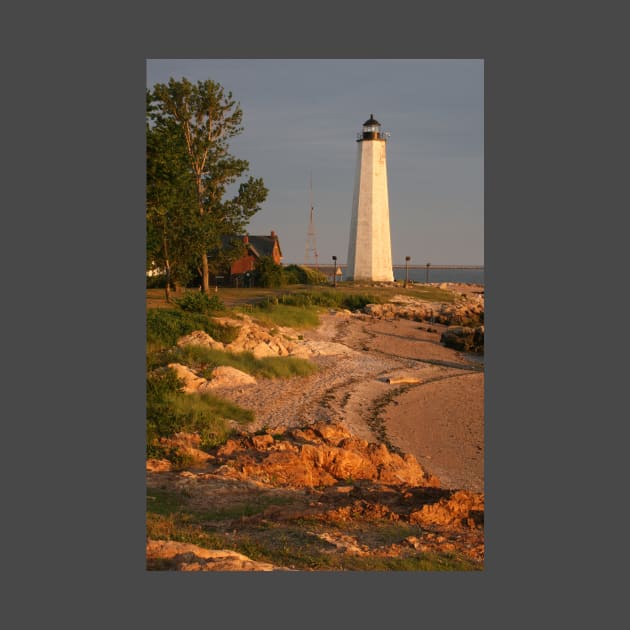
163,502
198,407
204,360
423,562
323,299
356,297
300,309
431,294
270,314
292,545
170,411
173,527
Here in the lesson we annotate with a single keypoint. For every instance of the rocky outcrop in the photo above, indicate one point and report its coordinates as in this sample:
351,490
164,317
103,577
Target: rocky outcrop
200,338
261,343
186,445
465,311
221,377
460,509
464,338
251,338
320,455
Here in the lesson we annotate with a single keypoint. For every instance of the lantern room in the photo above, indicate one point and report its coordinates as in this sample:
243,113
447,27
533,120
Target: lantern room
371,130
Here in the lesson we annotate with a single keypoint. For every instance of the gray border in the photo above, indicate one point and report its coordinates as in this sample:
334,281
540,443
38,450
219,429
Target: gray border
82,101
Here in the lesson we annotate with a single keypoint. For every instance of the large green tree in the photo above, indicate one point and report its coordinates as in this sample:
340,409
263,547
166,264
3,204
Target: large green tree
204,118
172,219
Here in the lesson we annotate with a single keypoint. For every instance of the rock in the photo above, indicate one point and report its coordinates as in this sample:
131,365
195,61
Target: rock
462,508
200,338
343,543
393,380
158,465
188,557
192,381
261,442
187,444
331,433
222,376
225,376
464,338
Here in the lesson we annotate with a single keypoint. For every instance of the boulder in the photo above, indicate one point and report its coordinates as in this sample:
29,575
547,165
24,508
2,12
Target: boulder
225,376
200,338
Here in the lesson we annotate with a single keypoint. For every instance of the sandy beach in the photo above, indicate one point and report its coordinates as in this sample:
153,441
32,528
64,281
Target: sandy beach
386,380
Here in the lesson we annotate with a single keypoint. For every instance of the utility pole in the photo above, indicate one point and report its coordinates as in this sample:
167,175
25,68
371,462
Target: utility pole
334,271
407,259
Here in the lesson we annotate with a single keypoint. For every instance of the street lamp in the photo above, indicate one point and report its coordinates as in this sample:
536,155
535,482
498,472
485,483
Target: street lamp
427,276
334,271
407,259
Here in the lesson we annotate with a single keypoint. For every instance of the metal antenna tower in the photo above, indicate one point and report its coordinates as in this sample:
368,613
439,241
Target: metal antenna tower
311,242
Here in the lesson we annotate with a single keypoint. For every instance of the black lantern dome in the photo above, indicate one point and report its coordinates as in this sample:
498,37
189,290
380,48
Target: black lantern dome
371,130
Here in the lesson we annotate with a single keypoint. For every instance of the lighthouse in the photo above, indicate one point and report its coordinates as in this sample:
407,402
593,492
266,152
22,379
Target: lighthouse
369,247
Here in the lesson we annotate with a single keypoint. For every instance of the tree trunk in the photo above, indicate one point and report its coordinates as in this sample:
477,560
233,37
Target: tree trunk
205,274
167,264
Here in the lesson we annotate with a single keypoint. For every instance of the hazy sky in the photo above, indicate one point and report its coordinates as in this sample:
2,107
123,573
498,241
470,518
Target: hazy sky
302,116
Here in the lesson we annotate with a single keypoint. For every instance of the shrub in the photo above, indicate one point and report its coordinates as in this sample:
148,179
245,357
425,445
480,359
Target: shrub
199,302
297,274
293,274
156,282
162,383
268,273
161,421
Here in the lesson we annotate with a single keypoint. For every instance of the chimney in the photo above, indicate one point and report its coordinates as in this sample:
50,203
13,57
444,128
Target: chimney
273,234
245,239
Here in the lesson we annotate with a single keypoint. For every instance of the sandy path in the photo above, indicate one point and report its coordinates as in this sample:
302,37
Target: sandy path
439,419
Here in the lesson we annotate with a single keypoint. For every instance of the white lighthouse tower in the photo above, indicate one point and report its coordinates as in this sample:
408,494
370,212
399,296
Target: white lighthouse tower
370,247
